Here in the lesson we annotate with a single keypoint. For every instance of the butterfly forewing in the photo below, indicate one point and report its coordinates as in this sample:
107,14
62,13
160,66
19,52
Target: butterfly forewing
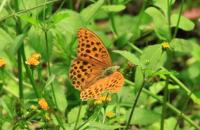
83,73
91,48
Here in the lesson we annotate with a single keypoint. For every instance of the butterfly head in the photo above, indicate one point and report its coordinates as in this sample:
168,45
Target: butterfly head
110,70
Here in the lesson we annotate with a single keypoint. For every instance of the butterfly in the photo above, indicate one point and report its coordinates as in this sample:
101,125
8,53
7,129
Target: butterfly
92,71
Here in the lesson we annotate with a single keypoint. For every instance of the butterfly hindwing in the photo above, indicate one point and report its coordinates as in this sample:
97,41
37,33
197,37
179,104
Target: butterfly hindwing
111,84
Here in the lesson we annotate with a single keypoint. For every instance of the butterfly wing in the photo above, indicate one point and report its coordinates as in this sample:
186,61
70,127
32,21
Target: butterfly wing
111,83
83,73
91,48
115,82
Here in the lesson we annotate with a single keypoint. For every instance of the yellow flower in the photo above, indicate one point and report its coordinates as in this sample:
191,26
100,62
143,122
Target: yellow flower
37,56
165,45
33,107
102,99
110,114
2,62
32,61
43,104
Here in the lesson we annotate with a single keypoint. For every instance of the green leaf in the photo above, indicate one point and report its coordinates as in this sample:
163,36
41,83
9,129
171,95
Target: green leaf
169,124
61,15
181,45
30,19
89,12
113,8
196,51
162,4
129,56
144,116
123,39
184,24
72,115
152,57
139,78
6,40
60,97
160,23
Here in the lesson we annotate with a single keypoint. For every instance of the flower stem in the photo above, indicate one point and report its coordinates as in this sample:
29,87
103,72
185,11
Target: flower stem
78,115
166,92
179,18
134,105
169,18
49,68
19,59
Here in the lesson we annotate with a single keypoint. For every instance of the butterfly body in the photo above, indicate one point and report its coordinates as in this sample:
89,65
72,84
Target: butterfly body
92,71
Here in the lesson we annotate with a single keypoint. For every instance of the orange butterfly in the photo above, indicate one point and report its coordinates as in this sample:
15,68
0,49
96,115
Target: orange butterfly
92,71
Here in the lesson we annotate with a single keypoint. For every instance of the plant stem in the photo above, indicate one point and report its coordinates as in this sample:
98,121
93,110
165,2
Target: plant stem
184,106
19,59
24,11
112,20
134,105
179,18
166,92
49,68
174,109
2,5
20,76
169,18
78,115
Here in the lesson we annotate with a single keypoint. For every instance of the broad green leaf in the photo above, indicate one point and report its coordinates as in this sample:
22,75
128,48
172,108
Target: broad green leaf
139,78
89,12
129,56
5,39
184,24
169,124
196,51
30,19
113,8
162,4
123,39
160,23
60,97
61,15
72,115
181,45
68,26
144,116
152,57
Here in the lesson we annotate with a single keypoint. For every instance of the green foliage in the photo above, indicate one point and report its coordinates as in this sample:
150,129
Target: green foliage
152,43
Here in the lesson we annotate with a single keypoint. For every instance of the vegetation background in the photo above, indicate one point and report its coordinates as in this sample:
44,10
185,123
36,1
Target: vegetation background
155,42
